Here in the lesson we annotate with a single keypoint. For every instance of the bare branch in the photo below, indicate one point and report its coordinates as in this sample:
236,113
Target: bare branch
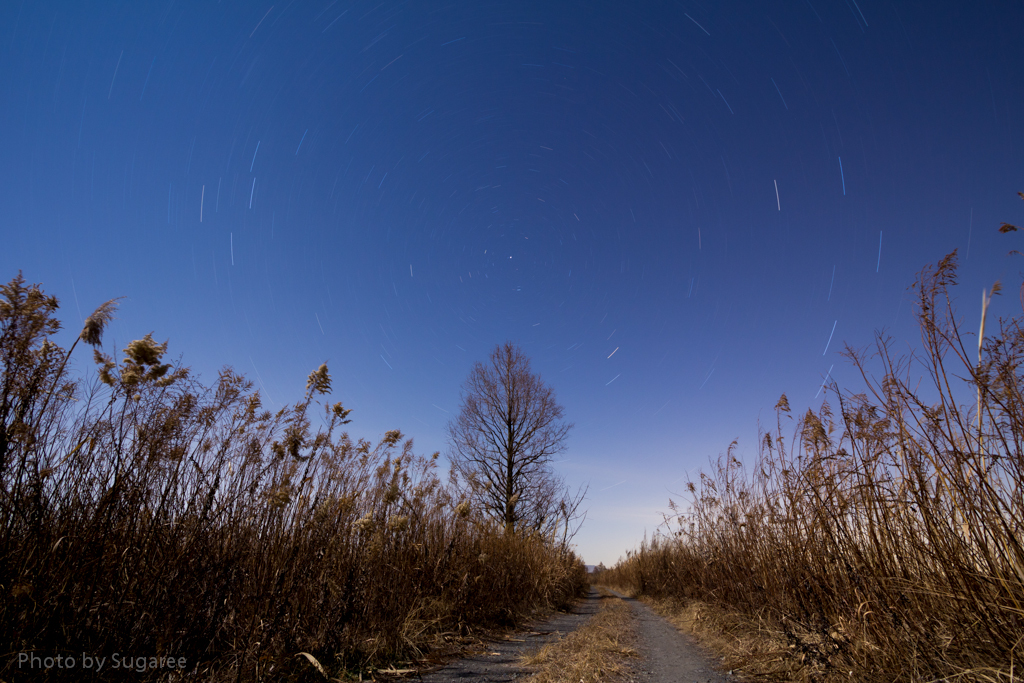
502,443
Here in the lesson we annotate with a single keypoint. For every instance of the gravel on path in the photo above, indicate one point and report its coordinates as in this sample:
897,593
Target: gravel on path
667,655
498,660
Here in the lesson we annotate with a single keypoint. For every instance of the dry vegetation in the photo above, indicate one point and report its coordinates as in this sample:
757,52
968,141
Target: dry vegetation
147,514
883,542
597,651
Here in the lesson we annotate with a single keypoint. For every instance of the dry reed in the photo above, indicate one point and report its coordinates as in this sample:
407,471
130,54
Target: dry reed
883,543
148,515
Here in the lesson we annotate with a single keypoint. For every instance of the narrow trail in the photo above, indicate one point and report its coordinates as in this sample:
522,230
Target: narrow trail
498,660
666,655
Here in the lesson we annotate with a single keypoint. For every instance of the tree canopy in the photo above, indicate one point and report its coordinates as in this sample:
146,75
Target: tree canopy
503,440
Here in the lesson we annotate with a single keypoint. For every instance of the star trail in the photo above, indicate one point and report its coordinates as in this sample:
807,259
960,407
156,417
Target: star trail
428,181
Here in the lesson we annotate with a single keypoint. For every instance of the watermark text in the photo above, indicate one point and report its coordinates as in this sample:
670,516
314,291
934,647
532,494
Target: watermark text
96,663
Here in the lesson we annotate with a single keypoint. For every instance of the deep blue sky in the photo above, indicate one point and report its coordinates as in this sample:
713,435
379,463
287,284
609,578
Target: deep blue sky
395,188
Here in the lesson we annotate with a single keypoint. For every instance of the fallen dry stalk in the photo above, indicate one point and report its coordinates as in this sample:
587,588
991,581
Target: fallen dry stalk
597,651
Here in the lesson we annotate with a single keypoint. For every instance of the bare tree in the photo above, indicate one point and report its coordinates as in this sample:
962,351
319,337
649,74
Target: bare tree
502,442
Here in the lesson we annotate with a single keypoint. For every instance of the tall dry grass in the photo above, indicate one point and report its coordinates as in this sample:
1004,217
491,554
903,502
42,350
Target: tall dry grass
883,540
144,513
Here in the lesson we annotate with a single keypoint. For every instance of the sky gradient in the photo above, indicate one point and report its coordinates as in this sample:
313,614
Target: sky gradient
679,210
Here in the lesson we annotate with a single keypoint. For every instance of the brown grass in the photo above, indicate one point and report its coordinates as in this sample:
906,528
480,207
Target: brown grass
599,650
879,542
747,646
146,514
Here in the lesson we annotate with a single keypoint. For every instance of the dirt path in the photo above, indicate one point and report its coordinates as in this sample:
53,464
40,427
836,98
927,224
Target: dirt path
498,661
668,656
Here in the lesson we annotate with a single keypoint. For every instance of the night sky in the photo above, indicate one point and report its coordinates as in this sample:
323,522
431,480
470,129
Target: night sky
679,210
